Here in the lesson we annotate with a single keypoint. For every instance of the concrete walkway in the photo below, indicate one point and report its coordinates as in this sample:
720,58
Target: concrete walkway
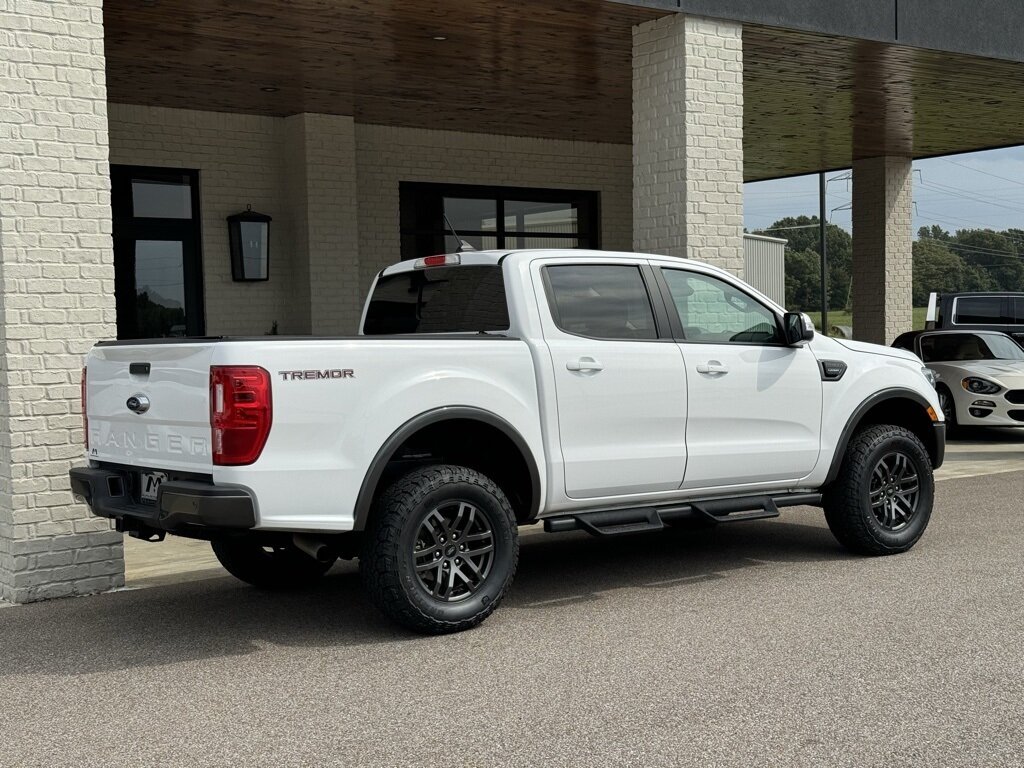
972,453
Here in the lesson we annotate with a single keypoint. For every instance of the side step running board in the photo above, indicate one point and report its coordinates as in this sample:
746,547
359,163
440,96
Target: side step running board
611,522
734,510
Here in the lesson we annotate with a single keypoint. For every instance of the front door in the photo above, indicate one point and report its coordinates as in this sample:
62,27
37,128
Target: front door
620,390
754,403
157,262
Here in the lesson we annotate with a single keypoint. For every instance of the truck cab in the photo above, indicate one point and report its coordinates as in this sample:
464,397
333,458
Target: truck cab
606,392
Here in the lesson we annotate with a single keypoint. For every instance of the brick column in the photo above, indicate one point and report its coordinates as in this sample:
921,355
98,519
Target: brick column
882,257
56,292
320,180
688,139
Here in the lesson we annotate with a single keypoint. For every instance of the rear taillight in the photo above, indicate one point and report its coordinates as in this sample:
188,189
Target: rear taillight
240,413
85,418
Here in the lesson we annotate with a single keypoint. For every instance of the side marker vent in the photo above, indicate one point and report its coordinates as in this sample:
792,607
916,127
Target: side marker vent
832,370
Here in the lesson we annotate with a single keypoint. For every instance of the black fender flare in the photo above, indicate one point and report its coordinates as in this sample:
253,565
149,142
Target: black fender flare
853,422
414,425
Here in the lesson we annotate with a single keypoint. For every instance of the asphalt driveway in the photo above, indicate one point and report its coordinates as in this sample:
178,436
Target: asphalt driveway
752,644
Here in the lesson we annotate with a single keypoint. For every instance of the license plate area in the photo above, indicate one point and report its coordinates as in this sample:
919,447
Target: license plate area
149,485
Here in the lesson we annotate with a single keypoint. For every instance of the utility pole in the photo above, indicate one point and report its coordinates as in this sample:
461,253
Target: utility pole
824,253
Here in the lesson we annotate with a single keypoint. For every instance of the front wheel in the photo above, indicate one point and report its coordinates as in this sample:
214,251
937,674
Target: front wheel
281,566
882,500
440,550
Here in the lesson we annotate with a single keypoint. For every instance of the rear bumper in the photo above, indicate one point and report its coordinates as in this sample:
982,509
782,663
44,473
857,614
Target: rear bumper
180,504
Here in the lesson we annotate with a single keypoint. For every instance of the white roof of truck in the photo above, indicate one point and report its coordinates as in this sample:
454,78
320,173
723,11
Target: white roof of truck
492,257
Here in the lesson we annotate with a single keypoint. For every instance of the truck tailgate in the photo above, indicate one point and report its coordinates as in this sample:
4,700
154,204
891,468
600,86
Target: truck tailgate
174,431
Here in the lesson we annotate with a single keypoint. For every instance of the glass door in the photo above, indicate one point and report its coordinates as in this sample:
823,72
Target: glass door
157,261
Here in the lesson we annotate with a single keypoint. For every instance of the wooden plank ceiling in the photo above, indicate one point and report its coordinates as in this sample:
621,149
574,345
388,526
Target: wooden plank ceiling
546,69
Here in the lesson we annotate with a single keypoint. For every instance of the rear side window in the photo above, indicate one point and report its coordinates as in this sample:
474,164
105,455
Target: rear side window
438,300
601,301
978,310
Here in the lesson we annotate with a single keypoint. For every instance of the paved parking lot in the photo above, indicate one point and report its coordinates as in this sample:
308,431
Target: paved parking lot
753,644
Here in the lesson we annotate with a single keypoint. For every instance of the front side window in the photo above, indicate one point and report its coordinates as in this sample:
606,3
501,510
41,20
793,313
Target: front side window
601,301
979,310
711,310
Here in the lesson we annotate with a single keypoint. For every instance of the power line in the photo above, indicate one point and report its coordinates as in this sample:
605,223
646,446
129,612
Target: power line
978,170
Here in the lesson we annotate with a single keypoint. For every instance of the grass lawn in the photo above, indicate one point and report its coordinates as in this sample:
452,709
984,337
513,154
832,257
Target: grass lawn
844,318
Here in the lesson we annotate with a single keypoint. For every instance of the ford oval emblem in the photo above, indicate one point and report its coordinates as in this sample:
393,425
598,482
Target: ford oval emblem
138,403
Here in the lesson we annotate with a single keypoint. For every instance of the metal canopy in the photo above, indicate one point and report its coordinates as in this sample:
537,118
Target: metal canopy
551,70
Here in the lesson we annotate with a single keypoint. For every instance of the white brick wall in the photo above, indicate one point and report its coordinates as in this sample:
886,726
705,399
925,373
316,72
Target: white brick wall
320,174
241,161
688,139
56,292
882,248
313,172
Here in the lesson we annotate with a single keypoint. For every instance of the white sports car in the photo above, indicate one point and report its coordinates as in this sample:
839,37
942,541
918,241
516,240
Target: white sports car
981,375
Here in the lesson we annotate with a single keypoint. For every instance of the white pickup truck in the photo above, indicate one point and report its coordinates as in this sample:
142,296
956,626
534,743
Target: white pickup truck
605,392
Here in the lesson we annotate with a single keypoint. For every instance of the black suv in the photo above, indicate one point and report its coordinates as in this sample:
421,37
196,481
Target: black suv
996,311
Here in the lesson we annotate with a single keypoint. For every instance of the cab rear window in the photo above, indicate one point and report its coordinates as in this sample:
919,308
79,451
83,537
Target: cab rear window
464,299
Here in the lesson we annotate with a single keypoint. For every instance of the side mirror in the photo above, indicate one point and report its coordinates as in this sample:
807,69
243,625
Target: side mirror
797,327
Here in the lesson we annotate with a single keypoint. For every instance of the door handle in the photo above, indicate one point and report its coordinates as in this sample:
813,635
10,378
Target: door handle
584,364
712,366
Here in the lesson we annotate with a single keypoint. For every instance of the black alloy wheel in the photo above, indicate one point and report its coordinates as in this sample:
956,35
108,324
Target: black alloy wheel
895,491
440,549
454,550
881,502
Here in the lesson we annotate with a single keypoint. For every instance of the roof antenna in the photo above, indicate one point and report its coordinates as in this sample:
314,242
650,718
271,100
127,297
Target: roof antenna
463,245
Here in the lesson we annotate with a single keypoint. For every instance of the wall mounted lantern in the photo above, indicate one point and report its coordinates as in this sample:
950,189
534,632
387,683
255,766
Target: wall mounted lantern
249,238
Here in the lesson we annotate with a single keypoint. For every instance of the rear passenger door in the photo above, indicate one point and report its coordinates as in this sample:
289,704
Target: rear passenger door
620,384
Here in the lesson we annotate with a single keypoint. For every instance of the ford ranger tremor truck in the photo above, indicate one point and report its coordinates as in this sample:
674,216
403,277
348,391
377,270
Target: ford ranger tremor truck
605,392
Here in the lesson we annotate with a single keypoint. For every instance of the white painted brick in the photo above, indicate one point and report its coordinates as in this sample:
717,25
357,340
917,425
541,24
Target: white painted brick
688,139
882,248
54,217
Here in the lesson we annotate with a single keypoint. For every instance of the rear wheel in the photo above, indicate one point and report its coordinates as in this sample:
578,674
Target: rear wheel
281,566
882,500
440,550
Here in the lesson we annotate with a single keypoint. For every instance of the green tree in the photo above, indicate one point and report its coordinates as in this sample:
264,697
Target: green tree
934,232
995,253
803,236
803,280
937,268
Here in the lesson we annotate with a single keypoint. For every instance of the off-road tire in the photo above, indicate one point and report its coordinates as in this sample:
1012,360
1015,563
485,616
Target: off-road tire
266,567
847,502
393,544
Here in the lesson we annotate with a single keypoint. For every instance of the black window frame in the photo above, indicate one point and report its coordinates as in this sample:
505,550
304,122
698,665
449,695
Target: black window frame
128,228
676,324
661,327
419,201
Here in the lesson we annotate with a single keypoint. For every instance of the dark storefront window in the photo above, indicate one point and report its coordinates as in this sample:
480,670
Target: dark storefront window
495,217
157,263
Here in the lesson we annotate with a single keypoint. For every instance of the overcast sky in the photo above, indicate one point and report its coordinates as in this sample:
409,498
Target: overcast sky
979,190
